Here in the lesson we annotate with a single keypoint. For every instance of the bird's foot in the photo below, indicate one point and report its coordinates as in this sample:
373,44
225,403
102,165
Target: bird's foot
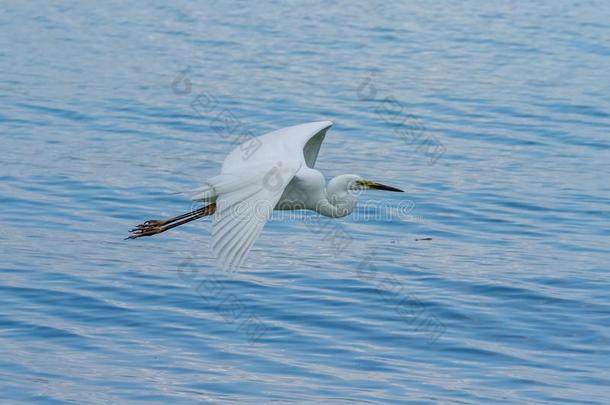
148,228
151,223
155,226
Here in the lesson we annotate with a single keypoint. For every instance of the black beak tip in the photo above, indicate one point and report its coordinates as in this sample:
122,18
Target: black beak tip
378,186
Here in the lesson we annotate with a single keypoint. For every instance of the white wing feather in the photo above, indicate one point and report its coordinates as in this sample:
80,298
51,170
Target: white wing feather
244,204
251,184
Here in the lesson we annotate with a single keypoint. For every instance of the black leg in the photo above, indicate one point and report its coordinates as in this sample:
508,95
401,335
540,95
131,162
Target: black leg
155,226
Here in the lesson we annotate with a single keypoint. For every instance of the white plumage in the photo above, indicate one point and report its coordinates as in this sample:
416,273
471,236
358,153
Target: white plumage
272,171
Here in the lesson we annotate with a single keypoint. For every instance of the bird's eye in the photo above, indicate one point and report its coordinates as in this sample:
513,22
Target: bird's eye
355,188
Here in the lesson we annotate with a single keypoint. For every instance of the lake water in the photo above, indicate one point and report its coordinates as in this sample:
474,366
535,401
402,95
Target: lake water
494,118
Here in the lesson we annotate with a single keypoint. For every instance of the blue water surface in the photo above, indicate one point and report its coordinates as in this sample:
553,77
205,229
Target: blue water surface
493,117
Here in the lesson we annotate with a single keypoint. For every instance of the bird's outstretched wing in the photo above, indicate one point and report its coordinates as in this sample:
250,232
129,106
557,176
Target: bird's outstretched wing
301,142
312,146
252,180
244,204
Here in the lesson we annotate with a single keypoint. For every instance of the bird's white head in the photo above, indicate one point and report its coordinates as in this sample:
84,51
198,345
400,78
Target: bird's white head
342,194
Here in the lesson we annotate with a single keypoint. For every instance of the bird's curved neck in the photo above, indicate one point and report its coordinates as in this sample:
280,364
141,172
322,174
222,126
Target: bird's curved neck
336,203
327,209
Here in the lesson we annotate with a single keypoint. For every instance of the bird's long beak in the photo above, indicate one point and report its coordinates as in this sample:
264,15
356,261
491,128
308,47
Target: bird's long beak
376,186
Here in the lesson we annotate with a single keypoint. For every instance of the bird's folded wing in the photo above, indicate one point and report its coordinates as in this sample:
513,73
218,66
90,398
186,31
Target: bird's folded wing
244,204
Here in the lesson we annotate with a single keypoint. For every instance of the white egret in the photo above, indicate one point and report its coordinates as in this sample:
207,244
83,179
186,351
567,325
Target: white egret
272,171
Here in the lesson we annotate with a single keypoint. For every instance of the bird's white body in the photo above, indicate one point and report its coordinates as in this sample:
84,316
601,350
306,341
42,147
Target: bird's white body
289,155
272,171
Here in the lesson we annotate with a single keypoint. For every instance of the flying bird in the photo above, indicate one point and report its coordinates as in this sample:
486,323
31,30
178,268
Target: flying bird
274,171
